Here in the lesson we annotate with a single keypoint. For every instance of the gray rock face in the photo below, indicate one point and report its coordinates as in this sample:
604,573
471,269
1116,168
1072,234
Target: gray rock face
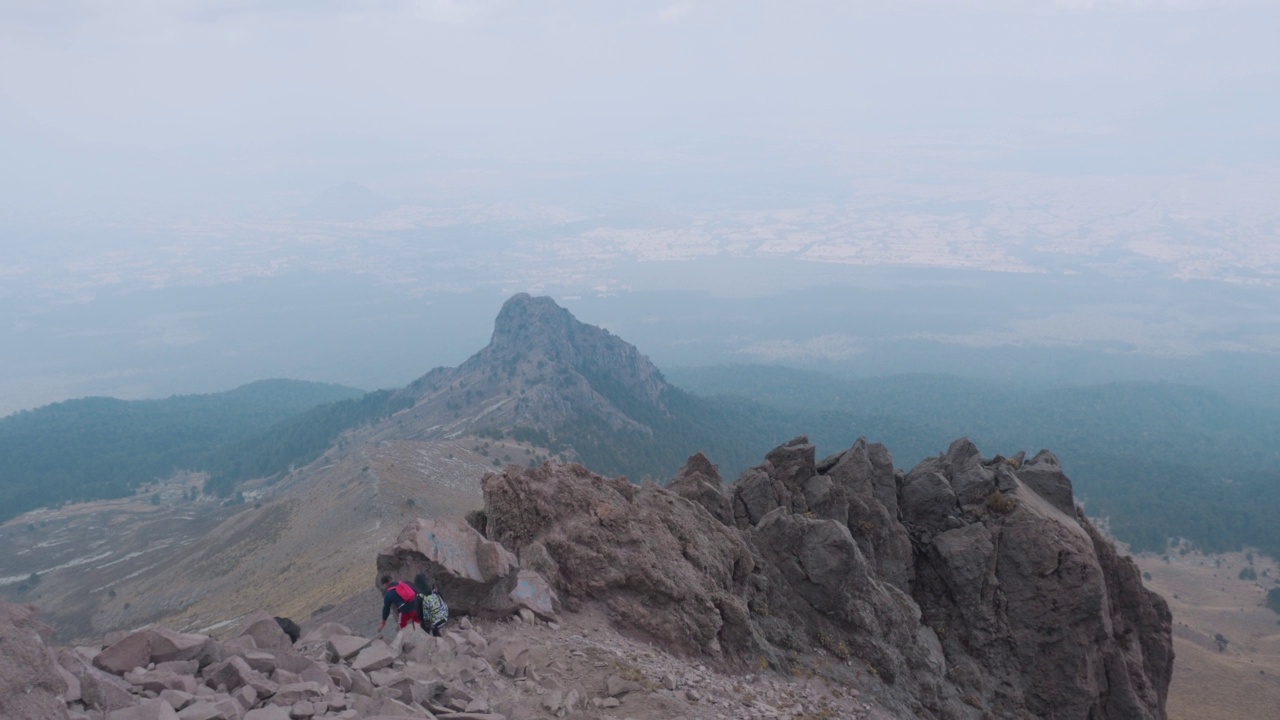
1044,475
964,578
534,338
699,481
757,494
474,575
865,486
30,684
1036,606
659,561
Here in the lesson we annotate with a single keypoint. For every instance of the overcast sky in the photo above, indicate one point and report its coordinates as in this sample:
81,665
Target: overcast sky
151,150
152,104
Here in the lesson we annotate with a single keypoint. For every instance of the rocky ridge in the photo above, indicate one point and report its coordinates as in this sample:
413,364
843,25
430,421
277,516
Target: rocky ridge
542,370
964,588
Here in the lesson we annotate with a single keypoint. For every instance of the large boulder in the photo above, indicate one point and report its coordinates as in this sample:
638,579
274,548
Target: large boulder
131,651
31,686
99,690
1044,475
266,632
475,575
658,561
234,673
141,648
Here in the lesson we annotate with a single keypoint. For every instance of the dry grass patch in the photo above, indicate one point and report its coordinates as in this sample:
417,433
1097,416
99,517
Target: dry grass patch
1208,599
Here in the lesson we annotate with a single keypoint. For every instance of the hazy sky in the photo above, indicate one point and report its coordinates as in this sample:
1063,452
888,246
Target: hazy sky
130,105
197,194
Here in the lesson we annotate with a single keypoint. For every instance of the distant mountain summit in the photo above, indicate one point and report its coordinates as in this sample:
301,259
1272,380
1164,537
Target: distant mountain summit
542,374
544,368
577,390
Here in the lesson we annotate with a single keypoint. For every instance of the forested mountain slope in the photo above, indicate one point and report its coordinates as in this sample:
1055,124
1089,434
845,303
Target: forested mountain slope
1157,460
103,447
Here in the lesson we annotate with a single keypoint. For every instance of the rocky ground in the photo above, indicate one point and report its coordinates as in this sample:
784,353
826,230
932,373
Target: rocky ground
967,588
521,668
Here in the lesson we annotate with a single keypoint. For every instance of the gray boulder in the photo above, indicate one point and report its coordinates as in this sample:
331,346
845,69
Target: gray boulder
699,482
234,673
1044,475
30,685
99,690
756,494
156,645
154,709
475,575
659,562
266,633
131,651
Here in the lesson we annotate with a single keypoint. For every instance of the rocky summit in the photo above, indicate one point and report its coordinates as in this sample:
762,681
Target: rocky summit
966,588
542,372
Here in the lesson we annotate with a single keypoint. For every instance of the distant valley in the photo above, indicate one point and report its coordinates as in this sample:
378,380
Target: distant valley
1151,459
286,510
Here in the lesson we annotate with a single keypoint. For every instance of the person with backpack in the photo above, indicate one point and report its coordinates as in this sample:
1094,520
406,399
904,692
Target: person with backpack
403,597
433,613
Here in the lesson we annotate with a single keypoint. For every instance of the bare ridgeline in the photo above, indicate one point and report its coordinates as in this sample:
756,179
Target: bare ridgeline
967,588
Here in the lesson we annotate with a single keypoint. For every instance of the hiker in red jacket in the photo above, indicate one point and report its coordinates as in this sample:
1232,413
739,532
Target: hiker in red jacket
403,597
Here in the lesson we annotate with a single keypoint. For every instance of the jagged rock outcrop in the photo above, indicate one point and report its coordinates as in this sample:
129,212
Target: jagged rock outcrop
972,587
1028,594
699,481
965,588
659,562
476,575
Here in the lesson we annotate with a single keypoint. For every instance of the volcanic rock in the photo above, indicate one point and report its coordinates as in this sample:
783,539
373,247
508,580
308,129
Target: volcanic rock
475,575
266,632
154,709
658,561
699,481
31,685
939,580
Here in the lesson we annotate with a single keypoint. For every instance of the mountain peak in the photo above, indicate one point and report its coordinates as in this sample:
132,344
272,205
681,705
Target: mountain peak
525,321
544,374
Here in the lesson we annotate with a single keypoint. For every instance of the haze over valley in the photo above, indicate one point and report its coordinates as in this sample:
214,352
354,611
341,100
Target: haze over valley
288,289
1089,198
